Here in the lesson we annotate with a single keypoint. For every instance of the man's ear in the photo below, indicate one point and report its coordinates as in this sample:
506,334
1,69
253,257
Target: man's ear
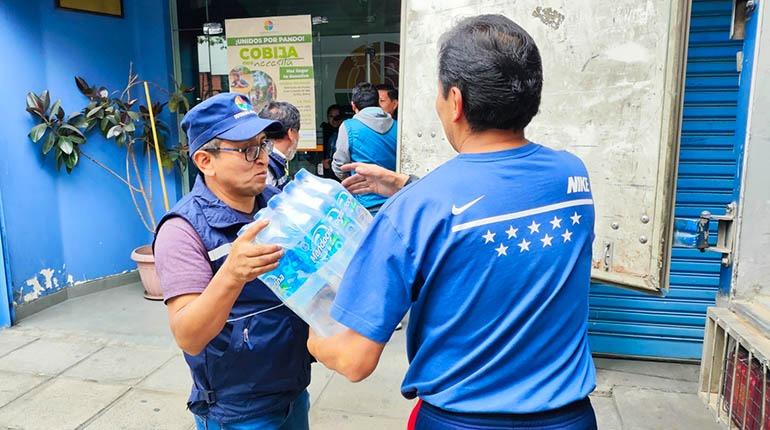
204,161
353,105
456,98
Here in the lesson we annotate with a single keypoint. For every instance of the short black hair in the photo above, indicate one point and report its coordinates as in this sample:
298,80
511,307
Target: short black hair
285,113
497,67
365,95
333,107
392,91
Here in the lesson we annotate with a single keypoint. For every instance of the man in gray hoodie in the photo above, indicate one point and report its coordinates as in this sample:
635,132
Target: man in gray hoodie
368,137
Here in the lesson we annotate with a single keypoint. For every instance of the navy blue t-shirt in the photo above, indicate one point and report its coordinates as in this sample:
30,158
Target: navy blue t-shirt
492,253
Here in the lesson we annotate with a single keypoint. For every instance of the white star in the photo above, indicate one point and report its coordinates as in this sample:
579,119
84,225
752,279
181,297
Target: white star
567,236
534,227
501,250
524,245
546,240
512,232
556,222
576,218
489,237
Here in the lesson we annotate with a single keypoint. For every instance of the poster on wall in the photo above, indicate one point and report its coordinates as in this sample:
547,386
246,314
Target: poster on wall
271,59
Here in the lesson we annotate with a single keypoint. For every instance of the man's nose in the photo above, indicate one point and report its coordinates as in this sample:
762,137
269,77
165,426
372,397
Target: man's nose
262,158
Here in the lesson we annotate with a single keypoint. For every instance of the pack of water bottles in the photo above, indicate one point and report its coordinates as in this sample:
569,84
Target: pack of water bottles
319,224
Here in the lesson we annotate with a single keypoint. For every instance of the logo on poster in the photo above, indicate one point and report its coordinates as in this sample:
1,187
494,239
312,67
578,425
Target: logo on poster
269,25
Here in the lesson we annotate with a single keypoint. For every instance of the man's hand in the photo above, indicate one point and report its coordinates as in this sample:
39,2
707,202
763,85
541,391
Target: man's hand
371,178
248,260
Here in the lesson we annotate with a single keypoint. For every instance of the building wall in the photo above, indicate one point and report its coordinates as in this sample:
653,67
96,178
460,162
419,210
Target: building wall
63,229
752,267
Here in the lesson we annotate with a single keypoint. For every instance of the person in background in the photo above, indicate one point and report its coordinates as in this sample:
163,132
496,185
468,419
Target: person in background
246,351
368,137
490,253
285,141
329,130
388,99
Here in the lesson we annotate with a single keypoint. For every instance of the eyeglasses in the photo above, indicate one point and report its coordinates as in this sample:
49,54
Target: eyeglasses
250,153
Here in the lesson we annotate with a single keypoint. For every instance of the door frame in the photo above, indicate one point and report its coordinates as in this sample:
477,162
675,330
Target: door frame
746,85
6,307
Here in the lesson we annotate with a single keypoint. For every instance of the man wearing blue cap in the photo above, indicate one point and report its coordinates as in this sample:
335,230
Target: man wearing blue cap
246,351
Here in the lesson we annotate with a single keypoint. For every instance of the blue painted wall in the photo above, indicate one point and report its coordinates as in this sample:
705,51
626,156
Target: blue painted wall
64,228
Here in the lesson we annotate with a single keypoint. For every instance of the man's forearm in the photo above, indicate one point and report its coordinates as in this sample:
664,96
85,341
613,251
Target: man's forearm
199,320
347,353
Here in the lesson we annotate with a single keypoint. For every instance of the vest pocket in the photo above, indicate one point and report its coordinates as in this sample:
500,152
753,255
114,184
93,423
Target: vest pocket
266,354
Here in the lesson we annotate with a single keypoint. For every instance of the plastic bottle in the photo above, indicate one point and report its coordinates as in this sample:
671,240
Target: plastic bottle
319,238
343,199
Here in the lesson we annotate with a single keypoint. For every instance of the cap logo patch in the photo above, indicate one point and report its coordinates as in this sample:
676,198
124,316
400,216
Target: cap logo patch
242,104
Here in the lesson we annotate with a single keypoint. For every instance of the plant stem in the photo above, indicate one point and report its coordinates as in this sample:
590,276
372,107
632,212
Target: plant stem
110,171
147,202
133,196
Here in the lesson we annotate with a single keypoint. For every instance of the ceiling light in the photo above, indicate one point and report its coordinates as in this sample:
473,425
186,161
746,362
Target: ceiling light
320,20
212,28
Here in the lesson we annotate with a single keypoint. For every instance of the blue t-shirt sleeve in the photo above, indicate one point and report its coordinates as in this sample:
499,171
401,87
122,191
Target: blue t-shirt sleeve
375,292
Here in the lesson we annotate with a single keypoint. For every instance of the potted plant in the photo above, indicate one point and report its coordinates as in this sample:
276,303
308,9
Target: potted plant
124,120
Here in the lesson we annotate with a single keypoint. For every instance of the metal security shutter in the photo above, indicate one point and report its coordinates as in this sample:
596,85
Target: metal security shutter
624,322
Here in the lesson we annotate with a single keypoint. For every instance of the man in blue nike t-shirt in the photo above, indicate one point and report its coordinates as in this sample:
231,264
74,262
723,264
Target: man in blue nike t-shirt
491,252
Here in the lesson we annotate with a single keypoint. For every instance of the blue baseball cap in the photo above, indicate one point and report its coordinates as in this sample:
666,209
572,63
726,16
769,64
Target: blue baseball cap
227,116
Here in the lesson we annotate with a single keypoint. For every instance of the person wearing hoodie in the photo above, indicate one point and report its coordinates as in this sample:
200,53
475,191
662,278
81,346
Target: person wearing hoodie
368,137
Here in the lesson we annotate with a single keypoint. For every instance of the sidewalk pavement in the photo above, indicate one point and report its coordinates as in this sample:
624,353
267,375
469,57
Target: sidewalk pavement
108,361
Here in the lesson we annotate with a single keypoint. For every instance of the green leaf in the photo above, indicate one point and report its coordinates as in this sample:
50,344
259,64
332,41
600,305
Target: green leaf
65,144
161,127
72,129
39,102
83,86
31,104
115,130
74,157
46,99
78,120
59,159
134,115
49,143
55,110
37,132
94,111
77,140
37,113
130,127
104,125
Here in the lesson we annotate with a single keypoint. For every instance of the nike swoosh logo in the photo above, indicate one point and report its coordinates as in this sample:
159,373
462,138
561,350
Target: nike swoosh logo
457,211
